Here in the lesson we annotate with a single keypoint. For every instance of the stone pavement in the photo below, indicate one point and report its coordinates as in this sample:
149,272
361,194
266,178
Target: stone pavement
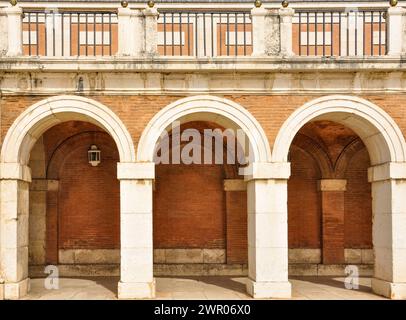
196,288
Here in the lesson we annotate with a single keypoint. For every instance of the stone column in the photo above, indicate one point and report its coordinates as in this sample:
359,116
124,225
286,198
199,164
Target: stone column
136,189
15,30
14,213
286,36
389,229
396,27
268,231
151,31
130,22
333,210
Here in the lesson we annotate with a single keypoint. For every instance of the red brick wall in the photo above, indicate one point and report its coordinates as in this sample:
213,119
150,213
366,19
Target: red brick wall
271,112
304,207
189,207
84,213
358,203
237,235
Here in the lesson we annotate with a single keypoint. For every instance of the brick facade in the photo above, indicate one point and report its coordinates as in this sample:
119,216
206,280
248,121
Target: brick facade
191,209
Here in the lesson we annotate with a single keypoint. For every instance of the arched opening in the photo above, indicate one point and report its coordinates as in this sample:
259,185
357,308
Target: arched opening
200,215
57,207
329,203
267,264
385,148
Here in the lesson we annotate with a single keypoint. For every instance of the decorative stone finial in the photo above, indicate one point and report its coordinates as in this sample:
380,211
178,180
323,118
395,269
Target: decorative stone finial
258,3
124,4
285,3
151,3
393,3
13,2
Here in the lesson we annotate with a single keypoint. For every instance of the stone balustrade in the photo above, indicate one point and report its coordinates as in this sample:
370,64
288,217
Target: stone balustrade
143,33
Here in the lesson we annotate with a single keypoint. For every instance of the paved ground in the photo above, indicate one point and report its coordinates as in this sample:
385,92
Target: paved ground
212,288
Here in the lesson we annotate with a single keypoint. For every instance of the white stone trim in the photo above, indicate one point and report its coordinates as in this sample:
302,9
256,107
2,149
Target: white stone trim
15,171
34,121
396,291
379,132
136,171
220,109
387,171
258,171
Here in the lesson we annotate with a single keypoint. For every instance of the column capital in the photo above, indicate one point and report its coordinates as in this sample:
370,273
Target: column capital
387,171
136,171
267,170
333,185
15,171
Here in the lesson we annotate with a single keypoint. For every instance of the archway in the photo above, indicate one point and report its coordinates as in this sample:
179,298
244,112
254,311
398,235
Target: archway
267,230
386,147
16,175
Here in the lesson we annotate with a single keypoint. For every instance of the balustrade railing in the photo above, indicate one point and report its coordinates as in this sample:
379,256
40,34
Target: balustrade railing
204,33
207,32
69,33
340,33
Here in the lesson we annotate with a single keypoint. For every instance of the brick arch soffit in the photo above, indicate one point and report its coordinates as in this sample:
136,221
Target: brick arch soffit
69,145
346,155
35,120
380,133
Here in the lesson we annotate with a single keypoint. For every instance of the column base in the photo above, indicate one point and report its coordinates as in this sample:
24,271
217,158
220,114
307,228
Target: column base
266,290
136,290
18,290
395,291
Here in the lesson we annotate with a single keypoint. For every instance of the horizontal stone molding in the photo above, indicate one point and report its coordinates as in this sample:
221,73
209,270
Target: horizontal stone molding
387,171
15,171
136,171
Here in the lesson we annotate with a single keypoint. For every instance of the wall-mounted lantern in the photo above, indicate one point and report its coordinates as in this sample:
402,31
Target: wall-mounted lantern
94,156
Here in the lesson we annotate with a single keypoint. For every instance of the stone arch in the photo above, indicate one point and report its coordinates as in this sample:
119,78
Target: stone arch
15,175
378,131
387,150
34,121
205,108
